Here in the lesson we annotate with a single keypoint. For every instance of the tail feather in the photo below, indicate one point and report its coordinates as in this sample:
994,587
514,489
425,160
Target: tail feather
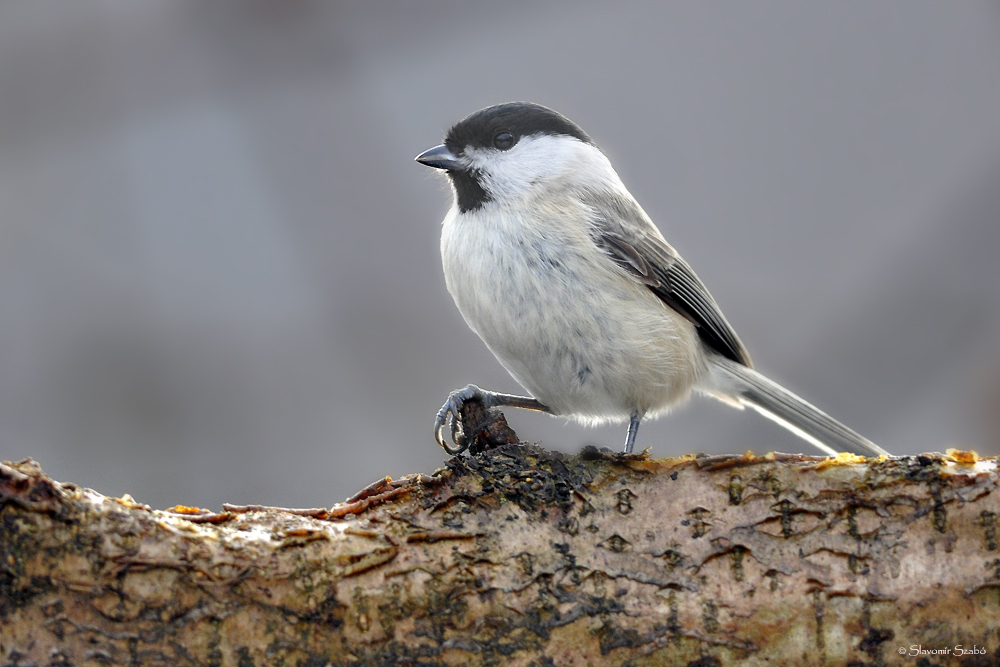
751,389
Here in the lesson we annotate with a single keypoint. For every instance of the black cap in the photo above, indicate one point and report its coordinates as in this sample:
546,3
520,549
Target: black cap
522,119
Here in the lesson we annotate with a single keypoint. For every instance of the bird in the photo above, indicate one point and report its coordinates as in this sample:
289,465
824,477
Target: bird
576,292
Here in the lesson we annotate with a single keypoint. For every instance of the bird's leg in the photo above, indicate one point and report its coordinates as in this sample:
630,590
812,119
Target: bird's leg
633,427
489,399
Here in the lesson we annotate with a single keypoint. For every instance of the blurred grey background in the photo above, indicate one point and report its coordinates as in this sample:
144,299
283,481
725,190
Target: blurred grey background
219,268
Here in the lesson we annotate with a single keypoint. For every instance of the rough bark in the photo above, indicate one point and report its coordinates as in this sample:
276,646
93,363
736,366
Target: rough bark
518,556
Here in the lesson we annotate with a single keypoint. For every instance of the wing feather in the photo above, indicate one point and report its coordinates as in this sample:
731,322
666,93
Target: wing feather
623,231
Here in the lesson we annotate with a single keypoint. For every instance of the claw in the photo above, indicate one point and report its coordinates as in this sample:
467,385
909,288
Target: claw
439,426
452,411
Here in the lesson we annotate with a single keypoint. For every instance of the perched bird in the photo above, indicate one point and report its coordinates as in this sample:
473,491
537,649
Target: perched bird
576,292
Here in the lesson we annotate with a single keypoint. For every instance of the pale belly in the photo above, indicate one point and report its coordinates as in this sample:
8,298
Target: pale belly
582,338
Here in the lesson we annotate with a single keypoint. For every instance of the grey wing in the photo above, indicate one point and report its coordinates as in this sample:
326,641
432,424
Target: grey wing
623,231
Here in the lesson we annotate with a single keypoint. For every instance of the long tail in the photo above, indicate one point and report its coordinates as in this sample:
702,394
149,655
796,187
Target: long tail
733,381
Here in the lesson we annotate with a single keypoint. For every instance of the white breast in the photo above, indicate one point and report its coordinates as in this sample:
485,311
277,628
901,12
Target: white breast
582,338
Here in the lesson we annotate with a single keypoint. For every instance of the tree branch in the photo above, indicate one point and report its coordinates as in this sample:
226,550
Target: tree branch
518,556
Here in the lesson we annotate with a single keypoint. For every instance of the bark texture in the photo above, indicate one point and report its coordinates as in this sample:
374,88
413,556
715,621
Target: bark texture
518,556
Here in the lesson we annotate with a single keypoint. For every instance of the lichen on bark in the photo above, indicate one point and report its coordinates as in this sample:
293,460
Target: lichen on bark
520,556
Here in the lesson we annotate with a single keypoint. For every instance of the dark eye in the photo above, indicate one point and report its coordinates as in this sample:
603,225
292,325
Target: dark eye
503,140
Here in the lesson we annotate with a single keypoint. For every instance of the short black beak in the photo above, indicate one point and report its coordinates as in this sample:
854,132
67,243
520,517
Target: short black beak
439,157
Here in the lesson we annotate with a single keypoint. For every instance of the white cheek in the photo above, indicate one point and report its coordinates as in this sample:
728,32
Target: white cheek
537,161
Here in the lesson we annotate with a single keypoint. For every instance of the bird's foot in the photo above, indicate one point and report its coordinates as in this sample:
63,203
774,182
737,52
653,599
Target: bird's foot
450,415
467,414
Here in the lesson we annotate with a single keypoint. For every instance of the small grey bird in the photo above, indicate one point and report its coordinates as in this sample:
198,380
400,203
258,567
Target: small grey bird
576,292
